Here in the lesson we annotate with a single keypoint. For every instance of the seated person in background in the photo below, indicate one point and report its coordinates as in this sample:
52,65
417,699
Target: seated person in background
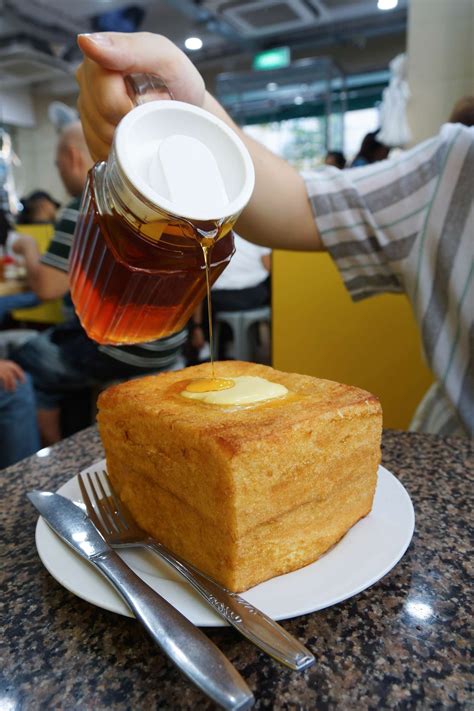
370,151
20,300
405,226
244,284
463,111
39,208
63,359
19,436
335,158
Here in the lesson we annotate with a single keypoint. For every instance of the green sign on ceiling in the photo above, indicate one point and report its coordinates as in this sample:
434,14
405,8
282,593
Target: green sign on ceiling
275,58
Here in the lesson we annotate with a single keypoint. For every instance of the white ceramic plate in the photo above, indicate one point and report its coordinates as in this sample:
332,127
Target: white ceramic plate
366,553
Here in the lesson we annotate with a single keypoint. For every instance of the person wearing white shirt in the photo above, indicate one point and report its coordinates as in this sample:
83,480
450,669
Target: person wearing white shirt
244,284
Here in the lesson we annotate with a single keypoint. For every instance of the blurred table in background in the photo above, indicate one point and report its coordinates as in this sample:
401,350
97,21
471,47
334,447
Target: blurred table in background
10,287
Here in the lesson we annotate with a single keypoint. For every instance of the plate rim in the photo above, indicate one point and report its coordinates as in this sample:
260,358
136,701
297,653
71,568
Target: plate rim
114,603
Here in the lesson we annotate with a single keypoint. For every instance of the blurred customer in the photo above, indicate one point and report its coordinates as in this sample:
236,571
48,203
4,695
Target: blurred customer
463,111
19,436
11,301
370,151
406,227
47,274
63,359
335,158
39,208
243,285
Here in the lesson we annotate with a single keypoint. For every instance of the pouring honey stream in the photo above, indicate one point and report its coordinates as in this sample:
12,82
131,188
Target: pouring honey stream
212,383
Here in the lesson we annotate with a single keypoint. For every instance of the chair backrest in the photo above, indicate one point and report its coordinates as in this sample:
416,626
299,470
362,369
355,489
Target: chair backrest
244,338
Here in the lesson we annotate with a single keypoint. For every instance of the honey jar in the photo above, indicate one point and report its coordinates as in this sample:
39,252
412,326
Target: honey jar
162,205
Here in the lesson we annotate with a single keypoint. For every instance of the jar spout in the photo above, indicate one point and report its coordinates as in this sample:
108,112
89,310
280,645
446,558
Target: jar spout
207,237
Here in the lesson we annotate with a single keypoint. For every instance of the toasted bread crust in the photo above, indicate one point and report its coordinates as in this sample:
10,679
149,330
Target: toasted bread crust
243,493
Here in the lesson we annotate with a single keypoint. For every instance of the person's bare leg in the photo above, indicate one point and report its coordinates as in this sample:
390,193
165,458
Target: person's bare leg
49,425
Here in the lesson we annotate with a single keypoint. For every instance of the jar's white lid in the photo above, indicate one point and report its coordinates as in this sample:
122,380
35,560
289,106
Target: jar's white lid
183,160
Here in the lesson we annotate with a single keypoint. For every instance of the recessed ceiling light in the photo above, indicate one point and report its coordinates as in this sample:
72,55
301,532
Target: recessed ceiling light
298,100
193,43
272,86
387,4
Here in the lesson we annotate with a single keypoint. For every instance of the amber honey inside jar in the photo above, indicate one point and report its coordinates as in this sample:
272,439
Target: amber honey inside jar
134,282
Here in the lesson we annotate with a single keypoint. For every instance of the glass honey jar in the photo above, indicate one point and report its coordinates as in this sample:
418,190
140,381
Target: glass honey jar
162,204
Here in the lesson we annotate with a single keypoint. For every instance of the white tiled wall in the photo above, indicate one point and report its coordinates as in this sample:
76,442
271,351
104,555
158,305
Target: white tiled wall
36,148
440,61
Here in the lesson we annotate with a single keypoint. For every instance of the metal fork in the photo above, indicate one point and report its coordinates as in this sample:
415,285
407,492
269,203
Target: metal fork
117,526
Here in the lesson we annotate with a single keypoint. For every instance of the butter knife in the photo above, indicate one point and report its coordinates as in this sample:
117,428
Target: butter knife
189,648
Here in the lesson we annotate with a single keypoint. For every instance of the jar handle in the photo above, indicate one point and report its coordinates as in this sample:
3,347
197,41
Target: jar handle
146,87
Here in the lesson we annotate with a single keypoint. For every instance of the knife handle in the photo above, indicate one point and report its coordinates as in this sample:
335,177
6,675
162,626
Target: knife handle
252,623
189,648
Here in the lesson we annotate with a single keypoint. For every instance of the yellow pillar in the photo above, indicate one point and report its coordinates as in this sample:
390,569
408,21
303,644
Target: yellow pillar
440,61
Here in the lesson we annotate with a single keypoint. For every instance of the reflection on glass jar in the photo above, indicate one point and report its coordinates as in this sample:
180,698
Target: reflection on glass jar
132,281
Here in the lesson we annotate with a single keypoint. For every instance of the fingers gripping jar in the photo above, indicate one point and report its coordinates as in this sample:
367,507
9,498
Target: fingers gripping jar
174,183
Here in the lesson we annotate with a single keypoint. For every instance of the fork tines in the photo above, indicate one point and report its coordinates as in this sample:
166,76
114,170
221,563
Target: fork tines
105,509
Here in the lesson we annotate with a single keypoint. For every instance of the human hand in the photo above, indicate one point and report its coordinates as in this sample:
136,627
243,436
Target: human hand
10,374
108,57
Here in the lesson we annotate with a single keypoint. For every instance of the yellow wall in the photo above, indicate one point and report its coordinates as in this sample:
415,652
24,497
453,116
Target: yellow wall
318,330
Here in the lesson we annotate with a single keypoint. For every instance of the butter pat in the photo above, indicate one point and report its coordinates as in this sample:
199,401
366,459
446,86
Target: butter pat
247,389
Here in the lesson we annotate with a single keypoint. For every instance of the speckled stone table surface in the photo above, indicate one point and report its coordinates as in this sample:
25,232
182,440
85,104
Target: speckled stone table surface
404,643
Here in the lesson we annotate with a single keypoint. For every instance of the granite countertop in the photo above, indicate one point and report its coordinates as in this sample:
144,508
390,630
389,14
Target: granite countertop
403,643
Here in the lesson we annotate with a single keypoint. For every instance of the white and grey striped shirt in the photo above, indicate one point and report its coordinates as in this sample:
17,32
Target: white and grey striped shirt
407,225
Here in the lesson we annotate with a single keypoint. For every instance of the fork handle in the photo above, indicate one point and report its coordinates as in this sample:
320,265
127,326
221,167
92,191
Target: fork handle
189,648
252,623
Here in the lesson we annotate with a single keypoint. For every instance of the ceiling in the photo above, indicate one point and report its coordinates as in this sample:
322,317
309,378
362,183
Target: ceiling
37,37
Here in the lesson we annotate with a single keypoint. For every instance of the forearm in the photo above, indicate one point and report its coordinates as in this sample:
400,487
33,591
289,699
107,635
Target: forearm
46,282
31,255
279,213
50,283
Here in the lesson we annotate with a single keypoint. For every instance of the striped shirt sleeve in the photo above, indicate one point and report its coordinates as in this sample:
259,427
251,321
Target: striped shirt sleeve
369,217
57,254
407,225
161,354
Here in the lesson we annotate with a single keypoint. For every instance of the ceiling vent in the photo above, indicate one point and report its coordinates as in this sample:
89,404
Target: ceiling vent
264,17
21,66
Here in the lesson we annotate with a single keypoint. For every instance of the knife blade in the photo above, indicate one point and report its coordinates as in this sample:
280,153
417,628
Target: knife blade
189,648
